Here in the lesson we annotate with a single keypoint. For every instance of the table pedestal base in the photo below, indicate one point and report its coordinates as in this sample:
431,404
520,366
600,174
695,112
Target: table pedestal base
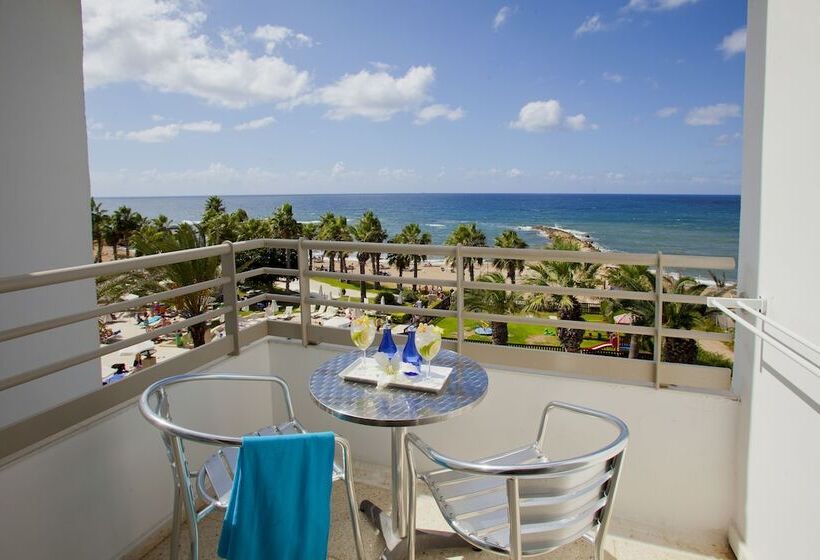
395,546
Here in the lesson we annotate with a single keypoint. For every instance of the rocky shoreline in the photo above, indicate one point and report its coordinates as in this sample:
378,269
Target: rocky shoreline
587,244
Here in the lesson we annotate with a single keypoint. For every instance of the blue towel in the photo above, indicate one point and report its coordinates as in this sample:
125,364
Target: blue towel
280,502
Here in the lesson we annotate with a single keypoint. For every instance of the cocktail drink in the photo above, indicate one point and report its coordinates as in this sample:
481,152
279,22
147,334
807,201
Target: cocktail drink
428,343
362,333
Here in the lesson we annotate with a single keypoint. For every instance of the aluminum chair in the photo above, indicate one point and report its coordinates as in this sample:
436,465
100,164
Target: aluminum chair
214,479
520,503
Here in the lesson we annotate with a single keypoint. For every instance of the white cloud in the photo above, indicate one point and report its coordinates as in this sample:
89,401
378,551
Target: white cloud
541,116
337,169
377,96
578,123
161,44
255,124
274,35
612,77
157,118
712,115
666,112
168,132
538,116
592,24
501,17
438,111
381,66
656,5
726,139
734,43
514,172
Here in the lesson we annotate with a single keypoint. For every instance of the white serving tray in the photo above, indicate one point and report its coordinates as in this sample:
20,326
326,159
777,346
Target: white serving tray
373,374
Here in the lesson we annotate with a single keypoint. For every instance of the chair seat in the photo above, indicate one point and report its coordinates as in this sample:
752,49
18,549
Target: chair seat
475,506
215,478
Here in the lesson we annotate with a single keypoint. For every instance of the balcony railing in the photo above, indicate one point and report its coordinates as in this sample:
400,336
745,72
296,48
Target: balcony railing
655,372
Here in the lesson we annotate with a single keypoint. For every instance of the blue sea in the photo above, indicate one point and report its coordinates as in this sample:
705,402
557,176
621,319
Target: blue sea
675,224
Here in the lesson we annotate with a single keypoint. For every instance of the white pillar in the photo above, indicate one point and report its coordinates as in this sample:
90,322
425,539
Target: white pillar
778,454
44,196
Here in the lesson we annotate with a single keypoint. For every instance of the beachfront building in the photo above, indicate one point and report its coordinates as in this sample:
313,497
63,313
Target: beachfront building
719,463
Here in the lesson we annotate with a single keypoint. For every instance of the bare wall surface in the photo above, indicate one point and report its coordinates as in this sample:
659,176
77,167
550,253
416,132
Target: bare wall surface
44,194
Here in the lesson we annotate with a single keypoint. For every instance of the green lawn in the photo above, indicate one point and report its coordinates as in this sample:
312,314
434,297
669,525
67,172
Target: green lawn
354,286
521,333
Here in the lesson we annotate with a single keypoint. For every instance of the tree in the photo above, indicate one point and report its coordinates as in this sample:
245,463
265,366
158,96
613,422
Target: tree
335,228
633,278
125,223
214,205
284,226
509,239
400,260
183,273
565,275
310,230
99,225
497,302
682,316
368,230
411,234
162,223
468,235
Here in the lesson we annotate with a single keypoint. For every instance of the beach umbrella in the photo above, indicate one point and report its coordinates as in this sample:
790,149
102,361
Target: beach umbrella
624,319
382,300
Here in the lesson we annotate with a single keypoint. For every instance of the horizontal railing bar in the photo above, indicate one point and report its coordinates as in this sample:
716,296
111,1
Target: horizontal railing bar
401,248
270,243
280,298
428,312
82,272
247,302
696,335
344,276
42,371
33,328
242,276
582,325
558,290
610,257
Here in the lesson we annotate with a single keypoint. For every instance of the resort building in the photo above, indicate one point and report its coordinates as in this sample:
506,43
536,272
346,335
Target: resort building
720,462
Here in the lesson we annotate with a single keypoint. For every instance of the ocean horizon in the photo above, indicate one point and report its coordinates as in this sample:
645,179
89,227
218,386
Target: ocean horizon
638,223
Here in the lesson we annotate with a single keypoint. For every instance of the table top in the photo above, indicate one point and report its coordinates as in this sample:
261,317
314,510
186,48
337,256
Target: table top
362,403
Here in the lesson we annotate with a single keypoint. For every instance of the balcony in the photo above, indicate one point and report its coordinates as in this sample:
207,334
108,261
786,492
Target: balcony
677,488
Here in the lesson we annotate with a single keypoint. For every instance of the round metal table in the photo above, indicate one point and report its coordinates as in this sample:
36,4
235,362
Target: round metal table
398,409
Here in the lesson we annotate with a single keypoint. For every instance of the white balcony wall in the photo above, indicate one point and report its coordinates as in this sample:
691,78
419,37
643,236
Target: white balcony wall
101,491
678,477
44,192
779,424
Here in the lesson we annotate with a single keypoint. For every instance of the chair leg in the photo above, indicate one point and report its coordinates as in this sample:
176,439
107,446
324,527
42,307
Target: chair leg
175,521
411,508
351,504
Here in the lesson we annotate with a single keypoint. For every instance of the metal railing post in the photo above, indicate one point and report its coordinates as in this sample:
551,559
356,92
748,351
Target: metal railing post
228,261
459,298
304,292
658,319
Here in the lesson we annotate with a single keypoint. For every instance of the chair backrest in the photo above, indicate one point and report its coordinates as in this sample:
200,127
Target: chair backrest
569,498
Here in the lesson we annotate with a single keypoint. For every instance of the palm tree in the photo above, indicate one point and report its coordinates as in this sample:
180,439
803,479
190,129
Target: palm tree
496,302
162,223
368,230
327,226
411,234
126,222
310,230
634,278
683,316
400,260
184,273
509,239
99,224
214,205
285,226
335,228
468,235
566,275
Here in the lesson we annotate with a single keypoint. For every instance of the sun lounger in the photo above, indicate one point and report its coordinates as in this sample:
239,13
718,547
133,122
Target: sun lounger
320,310
330,312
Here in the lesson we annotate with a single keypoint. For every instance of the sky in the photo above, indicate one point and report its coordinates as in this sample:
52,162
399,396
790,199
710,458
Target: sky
189,97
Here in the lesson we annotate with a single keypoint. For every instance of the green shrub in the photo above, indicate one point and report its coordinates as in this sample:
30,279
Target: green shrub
400,318
409,296
707,358
389,297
